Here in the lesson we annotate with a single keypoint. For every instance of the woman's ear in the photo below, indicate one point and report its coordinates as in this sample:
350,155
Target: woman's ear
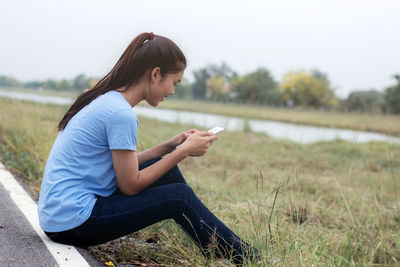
156,74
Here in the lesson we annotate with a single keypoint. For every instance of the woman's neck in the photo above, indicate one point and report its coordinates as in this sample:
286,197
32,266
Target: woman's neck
133,94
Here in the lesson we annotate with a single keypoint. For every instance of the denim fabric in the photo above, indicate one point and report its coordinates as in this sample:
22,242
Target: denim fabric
168,198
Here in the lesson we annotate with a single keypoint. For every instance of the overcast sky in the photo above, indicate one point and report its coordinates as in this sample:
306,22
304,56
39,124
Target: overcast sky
355,42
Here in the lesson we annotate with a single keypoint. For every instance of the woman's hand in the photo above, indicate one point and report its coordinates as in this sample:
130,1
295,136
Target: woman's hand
197,143
175,141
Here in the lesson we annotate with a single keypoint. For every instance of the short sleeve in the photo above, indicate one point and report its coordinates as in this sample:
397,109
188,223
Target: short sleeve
121,130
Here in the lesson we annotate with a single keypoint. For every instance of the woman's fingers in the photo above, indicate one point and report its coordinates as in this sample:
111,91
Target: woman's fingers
188,133
213,137
192,131
199,141
205,133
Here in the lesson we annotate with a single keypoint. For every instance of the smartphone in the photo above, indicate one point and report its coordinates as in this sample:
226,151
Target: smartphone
216,130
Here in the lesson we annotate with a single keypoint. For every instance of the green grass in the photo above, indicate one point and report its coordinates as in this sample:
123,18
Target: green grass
387,124
327,204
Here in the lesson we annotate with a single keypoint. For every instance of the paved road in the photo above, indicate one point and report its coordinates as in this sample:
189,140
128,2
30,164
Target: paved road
20,245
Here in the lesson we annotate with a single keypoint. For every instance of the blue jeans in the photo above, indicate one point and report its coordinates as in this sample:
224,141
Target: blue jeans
168,198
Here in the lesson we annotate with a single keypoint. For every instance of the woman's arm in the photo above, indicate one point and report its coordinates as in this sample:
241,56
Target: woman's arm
155,152
126,163
164,148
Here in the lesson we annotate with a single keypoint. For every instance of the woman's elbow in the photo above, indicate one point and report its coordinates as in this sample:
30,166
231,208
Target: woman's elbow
128,185
128,191
128,188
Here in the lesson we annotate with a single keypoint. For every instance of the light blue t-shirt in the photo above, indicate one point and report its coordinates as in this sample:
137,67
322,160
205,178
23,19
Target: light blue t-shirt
80,167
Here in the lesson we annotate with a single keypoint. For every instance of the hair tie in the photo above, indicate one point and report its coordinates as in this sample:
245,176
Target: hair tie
151,36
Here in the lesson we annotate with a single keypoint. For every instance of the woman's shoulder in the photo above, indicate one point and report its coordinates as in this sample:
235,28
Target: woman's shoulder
111,101
109,106
117,107
113,96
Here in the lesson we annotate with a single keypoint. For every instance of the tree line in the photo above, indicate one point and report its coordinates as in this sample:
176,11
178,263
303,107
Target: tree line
219,83
77,84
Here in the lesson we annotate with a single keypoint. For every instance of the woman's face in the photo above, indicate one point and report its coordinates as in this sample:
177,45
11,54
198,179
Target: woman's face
163,86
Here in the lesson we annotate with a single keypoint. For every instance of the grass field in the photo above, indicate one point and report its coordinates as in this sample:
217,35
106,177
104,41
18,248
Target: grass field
324,204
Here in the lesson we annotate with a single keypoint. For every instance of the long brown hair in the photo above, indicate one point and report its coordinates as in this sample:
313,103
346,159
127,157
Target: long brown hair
146,51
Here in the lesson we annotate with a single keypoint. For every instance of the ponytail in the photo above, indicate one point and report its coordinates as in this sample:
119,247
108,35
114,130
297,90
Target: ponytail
146,51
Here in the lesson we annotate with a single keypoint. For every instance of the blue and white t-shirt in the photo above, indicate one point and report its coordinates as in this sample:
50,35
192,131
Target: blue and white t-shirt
80,167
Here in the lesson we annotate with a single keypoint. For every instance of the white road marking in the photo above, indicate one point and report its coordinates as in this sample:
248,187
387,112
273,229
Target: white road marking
63,254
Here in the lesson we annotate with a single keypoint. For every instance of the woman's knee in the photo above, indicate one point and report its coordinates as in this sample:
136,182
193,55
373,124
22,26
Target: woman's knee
184,191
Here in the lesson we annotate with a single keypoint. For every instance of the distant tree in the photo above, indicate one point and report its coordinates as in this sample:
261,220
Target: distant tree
50,84
65,85
7,81
200,83
92,82
182,90
365,101
216,88
256,87
80,83
320,75
202,75
392,96
221,70
308,90
33,84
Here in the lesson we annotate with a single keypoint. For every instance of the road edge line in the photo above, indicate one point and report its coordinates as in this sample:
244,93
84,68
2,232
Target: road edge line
64,255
